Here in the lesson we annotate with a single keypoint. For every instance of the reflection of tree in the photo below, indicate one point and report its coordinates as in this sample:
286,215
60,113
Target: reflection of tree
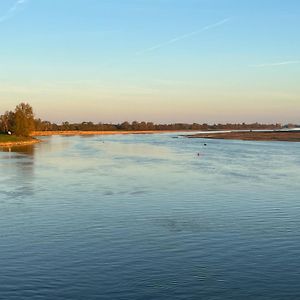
27,150
19,172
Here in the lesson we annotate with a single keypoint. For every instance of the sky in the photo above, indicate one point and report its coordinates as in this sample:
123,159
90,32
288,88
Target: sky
212,61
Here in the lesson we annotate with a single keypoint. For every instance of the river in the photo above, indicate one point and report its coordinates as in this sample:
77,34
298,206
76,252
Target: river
150,217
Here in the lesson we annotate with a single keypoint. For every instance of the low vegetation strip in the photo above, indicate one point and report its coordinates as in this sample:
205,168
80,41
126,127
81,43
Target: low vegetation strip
287,136
79,132
12,140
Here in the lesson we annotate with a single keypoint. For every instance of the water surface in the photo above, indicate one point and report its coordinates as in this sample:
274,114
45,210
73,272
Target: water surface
146,217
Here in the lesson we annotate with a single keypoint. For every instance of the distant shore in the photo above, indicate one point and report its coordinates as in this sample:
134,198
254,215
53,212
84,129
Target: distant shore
287,136
79,132
284,136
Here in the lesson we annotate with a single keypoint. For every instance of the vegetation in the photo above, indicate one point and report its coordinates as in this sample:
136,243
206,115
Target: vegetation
5,138
144,126
19,122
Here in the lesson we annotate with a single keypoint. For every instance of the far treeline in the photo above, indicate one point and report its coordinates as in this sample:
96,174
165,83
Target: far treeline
21,122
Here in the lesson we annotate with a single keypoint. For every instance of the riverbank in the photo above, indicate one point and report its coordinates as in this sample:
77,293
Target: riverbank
284,136
78,132
13,141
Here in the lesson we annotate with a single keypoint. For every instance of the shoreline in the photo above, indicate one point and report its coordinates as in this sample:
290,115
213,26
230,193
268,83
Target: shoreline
79,132
276,136
19,143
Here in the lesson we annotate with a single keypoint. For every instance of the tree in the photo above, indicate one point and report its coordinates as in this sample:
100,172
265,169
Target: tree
24,120
135,125
125,126
7,121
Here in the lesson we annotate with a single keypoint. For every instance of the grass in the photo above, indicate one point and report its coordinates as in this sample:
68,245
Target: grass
5,138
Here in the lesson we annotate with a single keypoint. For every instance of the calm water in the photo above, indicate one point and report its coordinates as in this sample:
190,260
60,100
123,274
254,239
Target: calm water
145,217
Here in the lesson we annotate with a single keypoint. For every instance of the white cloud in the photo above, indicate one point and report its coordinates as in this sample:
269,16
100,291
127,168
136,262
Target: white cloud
277,64
183,37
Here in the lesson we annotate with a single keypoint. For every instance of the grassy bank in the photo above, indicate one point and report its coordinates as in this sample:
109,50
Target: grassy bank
12,140
5,138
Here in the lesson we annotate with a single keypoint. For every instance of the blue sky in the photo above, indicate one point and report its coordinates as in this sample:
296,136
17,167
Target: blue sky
157,60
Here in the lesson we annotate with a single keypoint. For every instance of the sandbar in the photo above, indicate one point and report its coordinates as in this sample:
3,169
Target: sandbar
284,136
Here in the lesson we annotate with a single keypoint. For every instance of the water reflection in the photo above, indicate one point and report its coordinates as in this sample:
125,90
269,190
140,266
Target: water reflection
17,180
27,150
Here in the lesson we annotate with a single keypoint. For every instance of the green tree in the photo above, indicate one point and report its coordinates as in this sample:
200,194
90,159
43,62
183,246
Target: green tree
7,121
24,120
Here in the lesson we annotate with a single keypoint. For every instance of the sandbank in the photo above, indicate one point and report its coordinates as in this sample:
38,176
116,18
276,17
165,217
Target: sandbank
284,136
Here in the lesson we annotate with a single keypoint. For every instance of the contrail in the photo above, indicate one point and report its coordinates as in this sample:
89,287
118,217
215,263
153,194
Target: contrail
184,36
10,13
277,64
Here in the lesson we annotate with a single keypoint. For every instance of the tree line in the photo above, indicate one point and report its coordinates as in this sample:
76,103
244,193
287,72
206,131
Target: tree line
21,122
145,126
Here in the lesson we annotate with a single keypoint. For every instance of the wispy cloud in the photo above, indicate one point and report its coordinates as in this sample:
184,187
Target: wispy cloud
12,10
276,64
183,37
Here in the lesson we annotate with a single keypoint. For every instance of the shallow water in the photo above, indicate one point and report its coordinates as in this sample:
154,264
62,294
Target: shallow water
145,217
